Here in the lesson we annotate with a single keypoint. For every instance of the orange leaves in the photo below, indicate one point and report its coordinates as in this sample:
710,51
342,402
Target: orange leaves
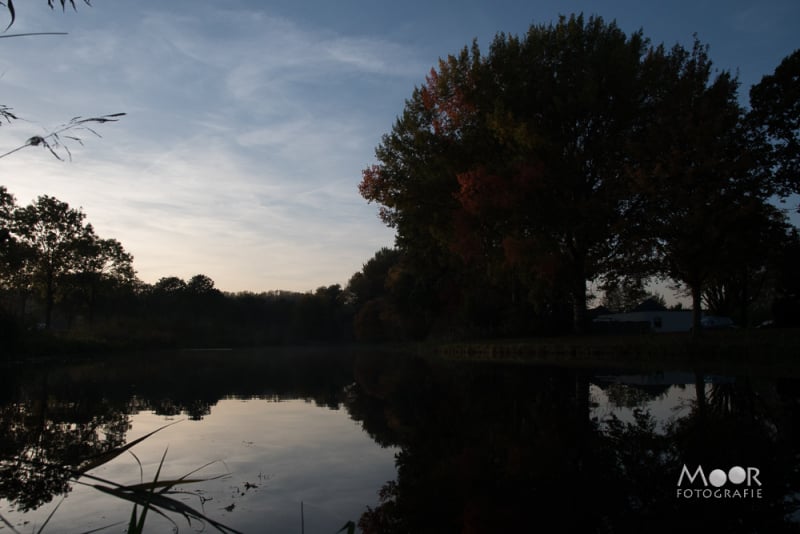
445,96
373,185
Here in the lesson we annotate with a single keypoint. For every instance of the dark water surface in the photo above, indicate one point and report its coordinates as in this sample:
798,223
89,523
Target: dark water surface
398,443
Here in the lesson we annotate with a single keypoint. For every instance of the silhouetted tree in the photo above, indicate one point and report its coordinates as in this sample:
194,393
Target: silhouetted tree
49,250
624,295
516,159
775,103
748,267
201,284
170,285
56,233
695,172
786,303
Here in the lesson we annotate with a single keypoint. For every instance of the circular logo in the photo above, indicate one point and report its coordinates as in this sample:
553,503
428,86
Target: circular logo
737,475
717,478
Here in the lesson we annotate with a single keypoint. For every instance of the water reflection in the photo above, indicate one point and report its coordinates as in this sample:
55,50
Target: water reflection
491,448
55,418
480,447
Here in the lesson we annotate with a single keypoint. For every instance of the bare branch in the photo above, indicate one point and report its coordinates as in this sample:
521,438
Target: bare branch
31,34
53,141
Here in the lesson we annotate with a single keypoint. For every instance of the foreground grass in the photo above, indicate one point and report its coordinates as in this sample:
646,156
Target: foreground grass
158,496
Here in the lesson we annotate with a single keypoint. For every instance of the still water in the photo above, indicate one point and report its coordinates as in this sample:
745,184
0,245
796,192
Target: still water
308,440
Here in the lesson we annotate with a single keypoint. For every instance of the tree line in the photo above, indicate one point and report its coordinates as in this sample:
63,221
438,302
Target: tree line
59,278
574,154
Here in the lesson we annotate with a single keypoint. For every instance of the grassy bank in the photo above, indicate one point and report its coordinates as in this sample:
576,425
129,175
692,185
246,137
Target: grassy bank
773,352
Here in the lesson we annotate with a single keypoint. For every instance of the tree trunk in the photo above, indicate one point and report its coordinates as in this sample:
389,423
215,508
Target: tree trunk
697,309
700,392
745,298
49,298
579,306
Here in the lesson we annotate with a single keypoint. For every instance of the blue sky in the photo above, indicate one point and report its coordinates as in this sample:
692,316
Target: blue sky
249,122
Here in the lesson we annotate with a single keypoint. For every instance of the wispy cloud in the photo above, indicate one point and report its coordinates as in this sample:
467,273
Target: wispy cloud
241,150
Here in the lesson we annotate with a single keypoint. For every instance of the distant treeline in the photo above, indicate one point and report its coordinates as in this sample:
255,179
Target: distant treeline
62,287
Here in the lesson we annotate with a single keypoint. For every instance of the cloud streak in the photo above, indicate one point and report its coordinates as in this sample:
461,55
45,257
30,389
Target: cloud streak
223,165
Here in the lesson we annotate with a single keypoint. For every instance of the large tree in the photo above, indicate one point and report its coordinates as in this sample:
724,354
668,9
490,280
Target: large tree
515,160
775,110
699,195
62,255
56,233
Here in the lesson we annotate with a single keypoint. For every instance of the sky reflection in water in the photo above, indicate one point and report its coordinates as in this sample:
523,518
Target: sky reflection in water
275,455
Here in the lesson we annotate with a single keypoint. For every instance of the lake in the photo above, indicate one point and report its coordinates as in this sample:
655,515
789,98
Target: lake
307,440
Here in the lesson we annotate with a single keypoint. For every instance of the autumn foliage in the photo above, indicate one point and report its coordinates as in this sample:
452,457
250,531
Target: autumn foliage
573,154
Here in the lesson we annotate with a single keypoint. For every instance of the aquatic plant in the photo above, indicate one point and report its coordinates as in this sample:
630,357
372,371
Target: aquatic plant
157,496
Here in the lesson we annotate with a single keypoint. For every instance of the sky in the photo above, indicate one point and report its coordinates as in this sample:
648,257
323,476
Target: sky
249,122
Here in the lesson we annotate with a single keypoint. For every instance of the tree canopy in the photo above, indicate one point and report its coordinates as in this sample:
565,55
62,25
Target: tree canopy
572,154
775,112
49,250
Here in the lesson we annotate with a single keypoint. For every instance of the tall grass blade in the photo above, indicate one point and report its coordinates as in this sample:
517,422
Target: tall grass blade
146,496
150,494
41,529
100,529
132,522
9,525
97,461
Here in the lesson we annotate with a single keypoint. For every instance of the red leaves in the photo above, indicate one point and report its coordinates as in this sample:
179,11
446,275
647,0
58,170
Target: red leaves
482,191
445,97
373,185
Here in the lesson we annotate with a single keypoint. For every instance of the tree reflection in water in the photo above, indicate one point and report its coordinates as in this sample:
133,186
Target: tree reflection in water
492,448
43,439
53,418
484,448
